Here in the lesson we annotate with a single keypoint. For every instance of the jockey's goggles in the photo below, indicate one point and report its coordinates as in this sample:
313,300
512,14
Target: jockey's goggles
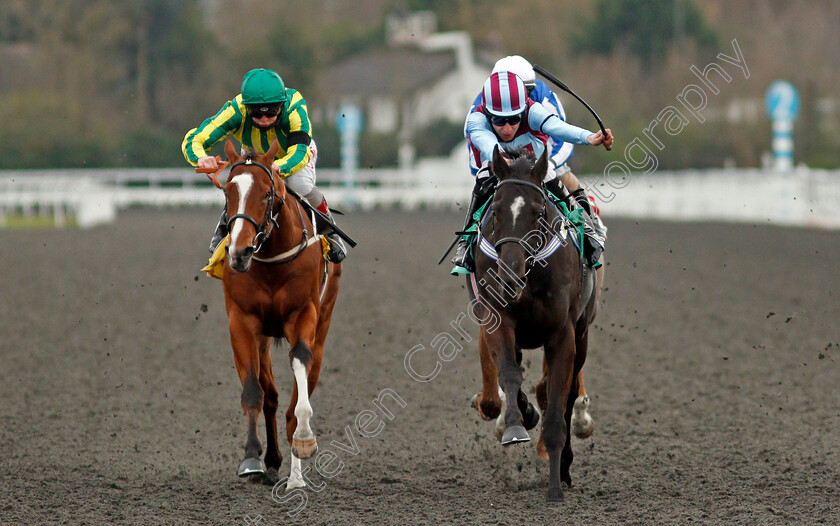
513,120
264,110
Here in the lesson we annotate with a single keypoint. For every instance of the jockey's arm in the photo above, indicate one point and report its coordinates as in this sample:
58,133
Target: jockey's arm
481,135
561,152
298,138
214,129
297,155
542,120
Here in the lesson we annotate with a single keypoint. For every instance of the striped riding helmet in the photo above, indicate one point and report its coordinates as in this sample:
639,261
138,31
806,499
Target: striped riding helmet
504,94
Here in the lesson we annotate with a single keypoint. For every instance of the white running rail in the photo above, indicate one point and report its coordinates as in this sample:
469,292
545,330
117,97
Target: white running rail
91,197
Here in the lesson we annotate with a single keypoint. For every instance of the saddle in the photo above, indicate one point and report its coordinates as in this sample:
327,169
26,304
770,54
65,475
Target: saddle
216,264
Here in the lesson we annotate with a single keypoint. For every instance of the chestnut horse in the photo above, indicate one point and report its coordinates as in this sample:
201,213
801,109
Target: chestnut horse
532,277
277,286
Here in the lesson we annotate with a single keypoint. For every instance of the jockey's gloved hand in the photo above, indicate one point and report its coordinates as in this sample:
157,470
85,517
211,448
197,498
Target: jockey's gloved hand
487,185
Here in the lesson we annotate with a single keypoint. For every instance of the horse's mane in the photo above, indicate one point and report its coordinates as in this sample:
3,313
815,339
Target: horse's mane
522,159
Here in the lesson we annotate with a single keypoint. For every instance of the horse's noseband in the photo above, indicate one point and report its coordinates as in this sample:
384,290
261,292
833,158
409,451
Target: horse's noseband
540,224
268,219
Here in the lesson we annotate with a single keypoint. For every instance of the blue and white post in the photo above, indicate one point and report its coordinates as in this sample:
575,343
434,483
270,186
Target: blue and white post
783,106
349,124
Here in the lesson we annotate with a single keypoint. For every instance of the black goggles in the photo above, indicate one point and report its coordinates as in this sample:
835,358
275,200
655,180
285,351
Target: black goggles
501,121
264,110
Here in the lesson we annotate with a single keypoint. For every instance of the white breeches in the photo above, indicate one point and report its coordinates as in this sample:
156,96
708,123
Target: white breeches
303,181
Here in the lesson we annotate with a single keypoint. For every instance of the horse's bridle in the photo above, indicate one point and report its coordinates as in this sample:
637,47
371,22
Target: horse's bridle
269,220
543,214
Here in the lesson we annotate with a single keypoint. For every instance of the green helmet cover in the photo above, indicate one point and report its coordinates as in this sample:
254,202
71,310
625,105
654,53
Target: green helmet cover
263,86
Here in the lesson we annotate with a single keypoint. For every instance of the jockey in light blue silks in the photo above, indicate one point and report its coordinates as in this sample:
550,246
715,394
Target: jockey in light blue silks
508,118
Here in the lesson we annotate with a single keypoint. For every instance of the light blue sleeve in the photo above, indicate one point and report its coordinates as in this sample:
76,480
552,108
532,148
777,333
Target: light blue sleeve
540,119
481,135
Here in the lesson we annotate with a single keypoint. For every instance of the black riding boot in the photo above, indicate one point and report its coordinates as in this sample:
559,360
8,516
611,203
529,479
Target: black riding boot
593,242
481,191
337,251
220,233
556,187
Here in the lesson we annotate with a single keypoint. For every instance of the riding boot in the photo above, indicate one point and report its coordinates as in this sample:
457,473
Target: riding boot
337,251
556,187
594,237
220,233
481,191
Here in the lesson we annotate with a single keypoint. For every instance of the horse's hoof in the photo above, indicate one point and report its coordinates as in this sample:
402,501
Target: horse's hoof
477,406
531,417
582,423
515,434
295,481
304,448
554,495
251,466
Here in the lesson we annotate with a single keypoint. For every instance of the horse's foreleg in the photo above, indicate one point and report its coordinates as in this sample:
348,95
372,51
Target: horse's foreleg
560,362
301,335
488,404
273,457
568,456
502,343
243,331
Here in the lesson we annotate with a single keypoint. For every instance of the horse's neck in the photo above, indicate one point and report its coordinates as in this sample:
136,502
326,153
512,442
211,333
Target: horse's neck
290,229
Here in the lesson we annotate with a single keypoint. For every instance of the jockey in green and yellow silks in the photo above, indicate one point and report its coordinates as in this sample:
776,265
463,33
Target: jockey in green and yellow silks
265,110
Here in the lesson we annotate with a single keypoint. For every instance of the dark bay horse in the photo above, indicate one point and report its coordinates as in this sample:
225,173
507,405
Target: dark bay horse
530,274
277,286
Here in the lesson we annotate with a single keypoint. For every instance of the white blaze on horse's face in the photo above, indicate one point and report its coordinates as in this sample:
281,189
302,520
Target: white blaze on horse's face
243,183
516,207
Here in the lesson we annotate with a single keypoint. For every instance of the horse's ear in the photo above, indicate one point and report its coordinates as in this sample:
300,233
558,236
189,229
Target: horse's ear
230,151
499,166
272,151
538,172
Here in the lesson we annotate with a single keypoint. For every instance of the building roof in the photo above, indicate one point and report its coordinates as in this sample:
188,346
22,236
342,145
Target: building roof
395,72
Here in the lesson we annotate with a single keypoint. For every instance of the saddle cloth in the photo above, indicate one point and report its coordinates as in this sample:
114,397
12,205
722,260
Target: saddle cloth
215,267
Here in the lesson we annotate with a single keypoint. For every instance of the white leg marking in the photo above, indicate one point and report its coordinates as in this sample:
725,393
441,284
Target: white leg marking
582,423
303,411
517,205
500,420
295,477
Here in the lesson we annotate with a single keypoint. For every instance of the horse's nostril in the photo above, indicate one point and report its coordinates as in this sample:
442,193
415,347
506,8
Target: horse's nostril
247,253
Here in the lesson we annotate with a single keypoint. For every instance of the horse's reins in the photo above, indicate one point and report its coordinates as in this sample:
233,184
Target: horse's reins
531,260
268,219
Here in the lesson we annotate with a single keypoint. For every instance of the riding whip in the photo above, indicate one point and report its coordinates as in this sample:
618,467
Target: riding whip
565,88
323,217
